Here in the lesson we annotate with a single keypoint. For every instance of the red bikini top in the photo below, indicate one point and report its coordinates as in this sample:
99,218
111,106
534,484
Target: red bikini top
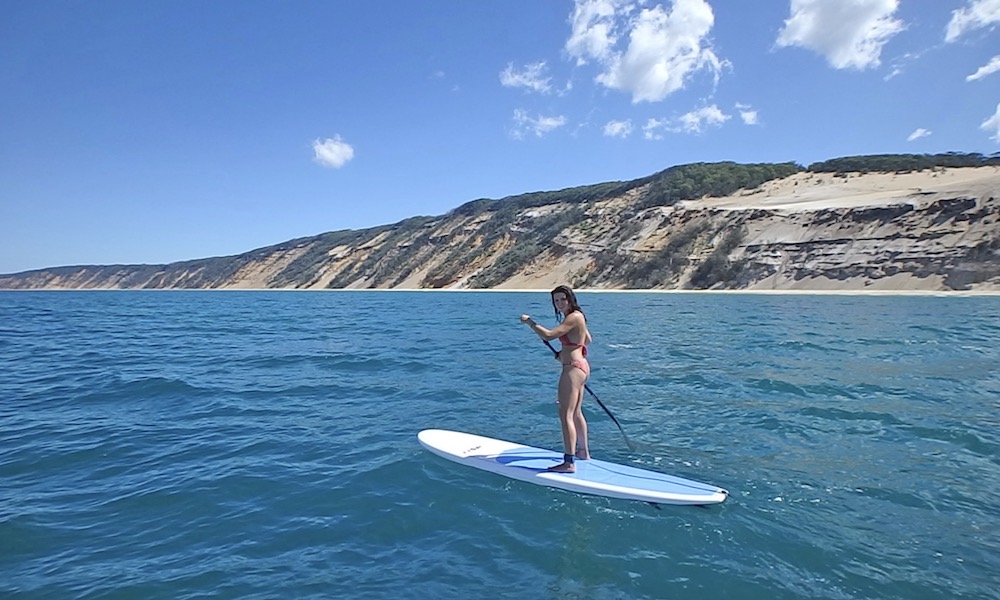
564,340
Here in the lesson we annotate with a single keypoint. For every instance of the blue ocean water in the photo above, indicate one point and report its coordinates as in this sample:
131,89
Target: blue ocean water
263,445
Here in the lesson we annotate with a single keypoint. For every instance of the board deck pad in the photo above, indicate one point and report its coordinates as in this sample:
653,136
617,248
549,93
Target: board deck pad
593,476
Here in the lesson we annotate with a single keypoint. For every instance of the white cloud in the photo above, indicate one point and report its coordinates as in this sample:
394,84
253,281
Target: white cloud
978,14
992,67
621,129
333,153
696,121
993,124
899,64
593,34
849,34
664,49
531,77
653,129
748,114
918,133
524,124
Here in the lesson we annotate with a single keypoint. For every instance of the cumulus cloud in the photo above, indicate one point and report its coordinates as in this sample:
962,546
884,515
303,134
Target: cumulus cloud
748,114
918,133
332,152
849,34
621,129
594,24
532,77
978,14
993,124
525,124
696,120
664,49
991,67
654,128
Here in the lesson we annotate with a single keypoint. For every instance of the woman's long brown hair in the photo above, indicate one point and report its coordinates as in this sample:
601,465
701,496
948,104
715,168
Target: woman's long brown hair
570,297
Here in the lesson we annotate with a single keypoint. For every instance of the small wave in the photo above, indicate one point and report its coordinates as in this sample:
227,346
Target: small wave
964,437
838,414
778,386
348,363
116,389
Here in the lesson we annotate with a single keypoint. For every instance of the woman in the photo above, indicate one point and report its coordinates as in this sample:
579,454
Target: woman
572,333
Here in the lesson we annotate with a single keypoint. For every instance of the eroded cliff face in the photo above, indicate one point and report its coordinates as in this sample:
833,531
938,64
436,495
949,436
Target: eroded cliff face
808,231
946,244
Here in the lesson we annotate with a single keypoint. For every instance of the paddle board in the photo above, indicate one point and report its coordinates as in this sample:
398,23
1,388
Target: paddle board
592,476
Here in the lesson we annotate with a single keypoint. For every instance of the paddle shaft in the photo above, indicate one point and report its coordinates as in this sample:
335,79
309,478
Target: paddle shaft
591,392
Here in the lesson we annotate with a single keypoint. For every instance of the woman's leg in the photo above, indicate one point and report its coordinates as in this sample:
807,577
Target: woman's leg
570,388
580,424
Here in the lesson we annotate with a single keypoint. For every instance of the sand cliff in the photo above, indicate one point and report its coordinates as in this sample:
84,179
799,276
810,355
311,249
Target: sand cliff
935,230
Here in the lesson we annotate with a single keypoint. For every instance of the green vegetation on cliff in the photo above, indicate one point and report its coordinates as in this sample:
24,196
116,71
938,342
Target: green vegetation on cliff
901,163
690,182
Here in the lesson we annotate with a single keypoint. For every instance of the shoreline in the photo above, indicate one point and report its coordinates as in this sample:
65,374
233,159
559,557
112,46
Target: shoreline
929,293
793,250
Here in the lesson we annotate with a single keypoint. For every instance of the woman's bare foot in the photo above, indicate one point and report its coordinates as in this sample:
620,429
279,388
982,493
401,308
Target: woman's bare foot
565,467
583,454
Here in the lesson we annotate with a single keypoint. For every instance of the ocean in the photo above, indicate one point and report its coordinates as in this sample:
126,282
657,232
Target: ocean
204,444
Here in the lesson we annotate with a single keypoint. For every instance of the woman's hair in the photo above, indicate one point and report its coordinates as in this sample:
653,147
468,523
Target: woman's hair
570,296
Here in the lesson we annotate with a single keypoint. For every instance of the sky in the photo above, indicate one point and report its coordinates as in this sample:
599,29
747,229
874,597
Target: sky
166,130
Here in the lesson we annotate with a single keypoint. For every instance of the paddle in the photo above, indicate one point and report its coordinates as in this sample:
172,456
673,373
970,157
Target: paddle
628,442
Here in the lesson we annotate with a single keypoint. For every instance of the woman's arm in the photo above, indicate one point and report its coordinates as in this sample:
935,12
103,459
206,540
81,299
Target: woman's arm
569,324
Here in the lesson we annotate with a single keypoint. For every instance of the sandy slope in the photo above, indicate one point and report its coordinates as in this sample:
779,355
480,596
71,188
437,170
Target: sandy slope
806,192
817,191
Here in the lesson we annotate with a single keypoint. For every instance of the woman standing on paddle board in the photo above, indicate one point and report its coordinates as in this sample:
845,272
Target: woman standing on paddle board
573,334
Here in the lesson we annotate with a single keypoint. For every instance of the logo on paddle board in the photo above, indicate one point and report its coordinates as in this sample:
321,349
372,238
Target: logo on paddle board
471,450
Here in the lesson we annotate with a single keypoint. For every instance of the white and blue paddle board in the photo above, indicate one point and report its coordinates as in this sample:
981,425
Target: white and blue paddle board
592,476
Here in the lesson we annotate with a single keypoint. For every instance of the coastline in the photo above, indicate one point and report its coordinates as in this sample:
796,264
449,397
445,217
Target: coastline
748,292
931,232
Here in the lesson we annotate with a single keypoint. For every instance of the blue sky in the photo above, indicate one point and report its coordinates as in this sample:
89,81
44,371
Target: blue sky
158,131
